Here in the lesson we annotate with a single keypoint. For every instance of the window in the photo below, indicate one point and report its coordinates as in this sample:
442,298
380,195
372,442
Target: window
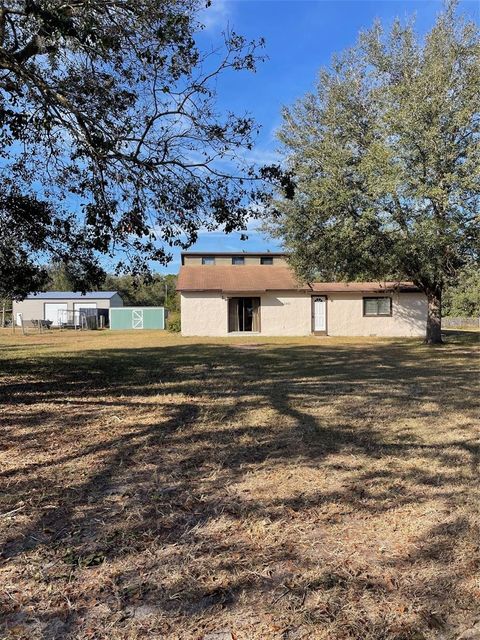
238,260
266,260
208,260
244,314
377,306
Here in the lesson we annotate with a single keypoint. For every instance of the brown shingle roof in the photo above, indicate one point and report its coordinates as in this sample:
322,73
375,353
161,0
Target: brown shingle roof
237,278
255,278
372,287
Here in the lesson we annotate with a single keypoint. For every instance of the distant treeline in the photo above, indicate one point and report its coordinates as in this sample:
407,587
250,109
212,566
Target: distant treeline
158,290
463,298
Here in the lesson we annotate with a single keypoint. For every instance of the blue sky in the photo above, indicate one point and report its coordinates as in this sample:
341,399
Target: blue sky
301,36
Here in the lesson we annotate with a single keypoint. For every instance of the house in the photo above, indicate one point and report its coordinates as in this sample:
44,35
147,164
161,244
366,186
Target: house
257,293
64,307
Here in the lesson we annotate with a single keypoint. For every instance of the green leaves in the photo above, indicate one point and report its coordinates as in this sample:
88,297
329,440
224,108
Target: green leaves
462,297
108,110
385,157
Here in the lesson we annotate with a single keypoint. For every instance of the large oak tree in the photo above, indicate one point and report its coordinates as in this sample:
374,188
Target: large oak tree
382,175
111,143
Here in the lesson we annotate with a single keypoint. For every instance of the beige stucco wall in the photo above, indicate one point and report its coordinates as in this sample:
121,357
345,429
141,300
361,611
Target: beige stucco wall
286,314
203,314
345,316
282,314
290,314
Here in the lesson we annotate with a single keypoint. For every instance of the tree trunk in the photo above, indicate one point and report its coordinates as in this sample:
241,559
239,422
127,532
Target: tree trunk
434,318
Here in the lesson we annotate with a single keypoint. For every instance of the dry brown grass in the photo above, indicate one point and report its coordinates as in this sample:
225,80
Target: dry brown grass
160,487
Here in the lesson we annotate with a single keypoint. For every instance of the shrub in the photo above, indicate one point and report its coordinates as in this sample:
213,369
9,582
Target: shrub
173,323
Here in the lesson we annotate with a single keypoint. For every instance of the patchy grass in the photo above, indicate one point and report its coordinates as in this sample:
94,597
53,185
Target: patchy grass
154,486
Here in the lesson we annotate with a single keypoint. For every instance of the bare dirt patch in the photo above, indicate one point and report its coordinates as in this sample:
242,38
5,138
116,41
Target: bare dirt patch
160,487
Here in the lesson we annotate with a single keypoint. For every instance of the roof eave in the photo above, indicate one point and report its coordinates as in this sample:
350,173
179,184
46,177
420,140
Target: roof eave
192,290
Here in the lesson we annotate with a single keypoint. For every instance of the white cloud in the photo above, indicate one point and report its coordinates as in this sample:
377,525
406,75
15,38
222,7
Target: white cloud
263,156
217,15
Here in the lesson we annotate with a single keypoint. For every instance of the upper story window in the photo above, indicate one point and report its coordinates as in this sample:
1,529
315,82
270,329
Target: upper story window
266,260
377,306
208,260
238,260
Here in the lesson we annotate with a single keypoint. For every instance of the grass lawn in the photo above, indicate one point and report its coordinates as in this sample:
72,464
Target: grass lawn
153,486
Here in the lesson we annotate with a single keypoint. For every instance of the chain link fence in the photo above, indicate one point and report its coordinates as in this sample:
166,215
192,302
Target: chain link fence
451,322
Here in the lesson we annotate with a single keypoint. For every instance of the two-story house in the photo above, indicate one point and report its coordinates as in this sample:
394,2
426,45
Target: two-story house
257,293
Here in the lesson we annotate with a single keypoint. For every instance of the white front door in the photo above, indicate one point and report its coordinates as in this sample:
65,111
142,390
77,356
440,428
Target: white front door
137,319
56,312
319,313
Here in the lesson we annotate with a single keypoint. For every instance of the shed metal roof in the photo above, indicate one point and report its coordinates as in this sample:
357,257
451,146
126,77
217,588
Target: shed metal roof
72,295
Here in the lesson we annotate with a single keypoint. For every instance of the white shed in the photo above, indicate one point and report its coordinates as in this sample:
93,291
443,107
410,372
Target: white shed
59,307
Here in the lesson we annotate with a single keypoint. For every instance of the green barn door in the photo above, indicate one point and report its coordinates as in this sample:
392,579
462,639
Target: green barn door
137,318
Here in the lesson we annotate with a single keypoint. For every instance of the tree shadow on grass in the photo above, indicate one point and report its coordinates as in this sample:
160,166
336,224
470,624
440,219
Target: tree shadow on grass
201,483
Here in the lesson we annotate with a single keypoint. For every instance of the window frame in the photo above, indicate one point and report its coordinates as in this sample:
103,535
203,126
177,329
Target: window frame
377,315
210,258
240,258
240,301
267,264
